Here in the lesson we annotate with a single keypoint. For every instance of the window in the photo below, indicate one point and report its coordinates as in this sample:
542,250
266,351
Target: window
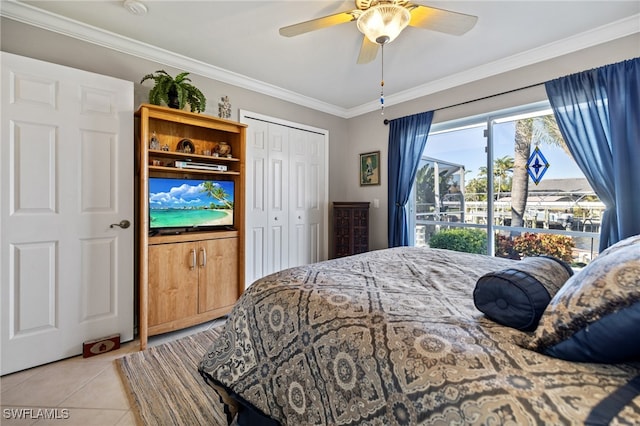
474,191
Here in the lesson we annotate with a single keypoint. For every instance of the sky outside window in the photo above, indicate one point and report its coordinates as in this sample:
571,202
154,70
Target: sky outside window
467,147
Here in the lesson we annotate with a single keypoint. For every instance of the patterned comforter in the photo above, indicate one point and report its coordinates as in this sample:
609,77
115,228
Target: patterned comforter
392,337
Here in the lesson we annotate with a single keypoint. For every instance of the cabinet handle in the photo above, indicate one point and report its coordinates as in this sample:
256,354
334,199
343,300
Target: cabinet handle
203,261
193,258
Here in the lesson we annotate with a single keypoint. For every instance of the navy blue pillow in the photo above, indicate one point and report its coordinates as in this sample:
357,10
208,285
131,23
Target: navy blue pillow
612,339
596,315
517,297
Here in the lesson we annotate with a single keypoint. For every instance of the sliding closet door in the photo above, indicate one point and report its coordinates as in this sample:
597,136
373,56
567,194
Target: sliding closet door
317,196
267,199
278,198
298,188
256,211
286,215
306,195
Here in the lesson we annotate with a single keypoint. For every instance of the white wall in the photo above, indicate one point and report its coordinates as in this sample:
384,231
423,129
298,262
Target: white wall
347,138
37,43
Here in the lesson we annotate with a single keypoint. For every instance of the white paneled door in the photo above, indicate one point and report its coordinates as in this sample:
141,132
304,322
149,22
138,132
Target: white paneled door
256,217
317,197
286,214
307,202
66,169
277,197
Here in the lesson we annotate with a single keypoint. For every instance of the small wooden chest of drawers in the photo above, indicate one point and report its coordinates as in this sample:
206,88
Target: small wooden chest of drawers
350,228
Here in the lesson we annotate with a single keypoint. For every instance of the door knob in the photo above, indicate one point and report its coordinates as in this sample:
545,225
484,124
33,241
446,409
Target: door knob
124,224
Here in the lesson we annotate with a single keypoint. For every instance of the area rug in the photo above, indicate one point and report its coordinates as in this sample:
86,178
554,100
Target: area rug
164,386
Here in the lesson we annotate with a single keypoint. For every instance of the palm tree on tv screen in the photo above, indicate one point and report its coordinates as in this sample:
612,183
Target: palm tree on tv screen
215,191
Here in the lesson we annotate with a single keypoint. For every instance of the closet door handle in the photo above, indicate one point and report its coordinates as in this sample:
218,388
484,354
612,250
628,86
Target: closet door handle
203,257
193,258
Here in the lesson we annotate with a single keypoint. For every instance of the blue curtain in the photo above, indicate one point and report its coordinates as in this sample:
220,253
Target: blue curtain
598,113
407,139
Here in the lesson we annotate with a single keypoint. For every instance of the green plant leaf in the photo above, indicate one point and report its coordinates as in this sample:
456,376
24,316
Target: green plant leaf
186,92
182,77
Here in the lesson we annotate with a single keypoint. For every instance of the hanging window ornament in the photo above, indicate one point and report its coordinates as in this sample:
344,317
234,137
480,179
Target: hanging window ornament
537,165
382,83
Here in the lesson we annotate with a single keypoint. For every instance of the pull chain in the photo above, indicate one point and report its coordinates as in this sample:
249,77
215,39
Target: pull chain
382,84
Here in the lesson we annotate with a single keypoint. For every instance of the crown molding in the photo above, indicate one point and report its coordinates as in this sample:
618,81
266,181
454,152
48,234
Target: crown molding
599,35
30,15
33,16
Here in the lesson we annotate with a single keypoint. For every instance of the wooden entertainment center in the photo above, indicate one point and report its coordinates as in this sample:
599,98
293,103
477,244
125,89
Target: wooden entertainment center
187,278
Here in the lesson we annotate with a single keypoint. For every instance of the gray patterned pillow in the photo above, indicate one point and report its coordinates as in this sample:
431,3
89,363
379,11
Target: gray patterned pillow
595,317
517,296
629,241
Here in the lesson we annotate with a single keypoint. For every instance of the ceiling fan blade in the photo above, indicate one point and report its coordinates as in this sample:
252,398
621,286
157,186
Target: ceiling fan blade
368,51
444,21
316,24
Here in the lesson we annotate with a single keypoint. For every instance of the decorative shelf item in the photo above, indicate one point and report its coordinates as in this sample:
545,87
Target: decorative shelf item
224,107
154,143
186,146
175,92
223,149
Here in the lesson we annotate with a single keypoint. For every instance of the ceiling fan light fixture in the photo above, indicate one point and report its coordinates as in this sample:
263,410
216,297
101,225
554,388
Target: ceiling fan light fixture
383,22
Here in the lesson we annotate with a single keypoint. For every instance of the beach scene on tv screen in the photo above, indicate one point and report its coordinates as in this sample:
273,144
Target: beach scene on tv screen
175,203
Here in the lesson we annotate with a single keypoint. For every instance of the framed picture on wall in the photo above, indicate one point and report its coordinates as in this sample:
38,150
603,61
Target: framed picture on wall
370,168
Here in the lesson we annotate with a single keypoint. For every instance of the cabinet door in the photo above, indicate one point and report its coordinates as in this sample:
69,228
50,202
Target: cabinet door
218,273
173,282
342,231
360,223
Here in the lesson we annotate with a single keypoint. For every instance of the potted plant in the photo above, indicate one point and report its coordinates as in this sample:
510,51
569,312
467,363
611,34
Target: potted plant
175,92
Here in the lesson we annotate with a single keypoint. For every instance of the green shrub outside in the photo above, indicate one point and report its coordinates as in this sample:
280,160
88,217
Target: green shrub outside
459,239
527,244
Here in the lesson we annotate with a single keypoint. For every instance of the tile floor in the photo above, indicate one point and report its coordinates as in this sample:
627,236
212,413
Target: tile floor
81,391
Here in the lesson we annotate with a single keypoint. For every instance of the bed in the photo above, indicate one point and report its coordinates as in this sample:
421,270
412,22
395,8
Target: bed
394,337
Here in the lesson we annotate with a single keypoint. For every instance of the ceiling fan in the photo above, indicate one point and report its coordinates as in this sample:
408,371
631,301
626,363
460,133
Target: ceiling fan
381,21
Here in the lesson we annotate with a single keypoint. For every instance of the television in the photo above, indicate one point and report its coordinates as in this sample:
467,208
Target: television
184,204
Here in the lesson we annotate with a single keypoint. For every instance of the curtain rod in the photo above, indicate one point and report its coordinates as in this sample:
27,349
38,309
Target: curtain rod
387,121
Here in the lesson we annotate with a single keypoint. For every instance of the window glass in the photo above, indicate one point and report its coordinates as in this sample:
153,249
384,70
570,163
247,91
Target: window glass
448,192
542,201
536,202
